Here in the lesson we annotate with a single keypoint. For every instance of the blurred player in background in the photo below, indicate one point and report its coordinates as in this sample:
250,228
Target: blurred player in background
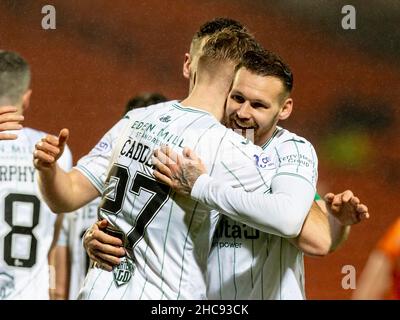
144,100
26,222
380,278
71,260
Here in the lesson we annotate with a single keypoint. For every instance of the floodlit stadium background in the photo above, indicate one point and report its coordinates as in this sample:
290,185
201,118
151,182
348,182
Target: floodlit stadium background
346,88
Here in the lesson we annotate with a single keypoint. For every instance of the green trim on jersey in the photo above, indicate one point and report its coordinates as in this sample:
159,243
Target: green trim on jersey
172,197
216,153
108,290
298,155
184,247
144,270
279,158
317,197
315,170
294,175
189,109
219,273
235,176
92,178
265,145
234,264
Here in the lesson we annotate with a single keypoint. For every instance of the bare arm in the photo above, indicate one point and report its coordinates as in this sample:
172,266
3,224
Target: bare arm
314,238
63,191
58,262
339,231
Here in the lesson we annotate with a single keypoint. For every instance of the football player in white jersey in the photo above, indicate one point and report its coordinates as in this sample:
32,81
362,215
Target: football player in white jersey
27,224
72,262
315,237
168,237
244,262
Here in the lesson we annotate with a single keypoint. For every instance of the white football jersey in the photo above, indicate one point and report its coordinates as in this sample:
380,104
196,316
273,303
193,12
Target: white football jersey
246,263
168,236
73,228
27,224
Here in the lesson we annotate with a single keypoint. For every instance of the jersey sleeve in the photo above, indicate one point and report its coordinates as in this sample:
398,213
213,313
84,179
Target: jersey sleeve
283,197
95,164
281,212
297,157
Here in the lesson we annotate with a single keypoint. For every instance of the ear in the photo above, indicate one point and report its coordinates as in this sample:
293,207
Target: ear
186,66
286,109
26,99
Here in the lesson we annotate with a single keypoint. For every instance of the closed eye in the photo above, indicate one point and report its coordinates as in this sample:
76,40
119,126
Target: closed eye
257,105
238,98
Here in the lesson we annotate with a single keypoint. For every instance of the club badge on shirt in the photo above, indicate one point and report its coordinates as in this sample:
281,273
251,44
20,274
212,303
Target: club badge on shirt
123,272
263,161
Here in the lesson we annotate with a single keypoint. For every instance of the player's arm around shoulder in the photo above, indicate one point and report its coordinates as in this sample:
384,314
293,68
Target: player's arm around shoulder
314,238
295,157
296,174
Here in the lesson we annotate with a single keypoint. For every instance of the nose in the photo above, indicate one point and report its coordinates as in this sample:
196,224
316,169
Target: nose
244,111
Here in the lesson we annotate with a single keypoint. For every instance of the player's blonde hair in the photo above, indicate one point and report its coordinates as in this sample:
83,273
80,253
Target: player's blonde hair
228,45
211,27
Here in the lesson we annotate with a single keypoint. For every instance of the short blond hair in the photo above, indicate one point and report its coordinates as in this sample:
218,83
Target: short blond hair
230,44
212,27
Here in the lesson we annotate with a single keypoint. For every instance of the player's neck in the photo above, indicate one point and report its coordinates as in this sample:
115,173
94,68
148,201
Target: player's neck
211,87
263,139
208,98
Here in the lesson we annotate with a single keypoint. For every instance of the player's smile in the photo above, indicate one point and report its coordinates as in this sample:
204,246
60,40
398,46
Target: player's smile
235,123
